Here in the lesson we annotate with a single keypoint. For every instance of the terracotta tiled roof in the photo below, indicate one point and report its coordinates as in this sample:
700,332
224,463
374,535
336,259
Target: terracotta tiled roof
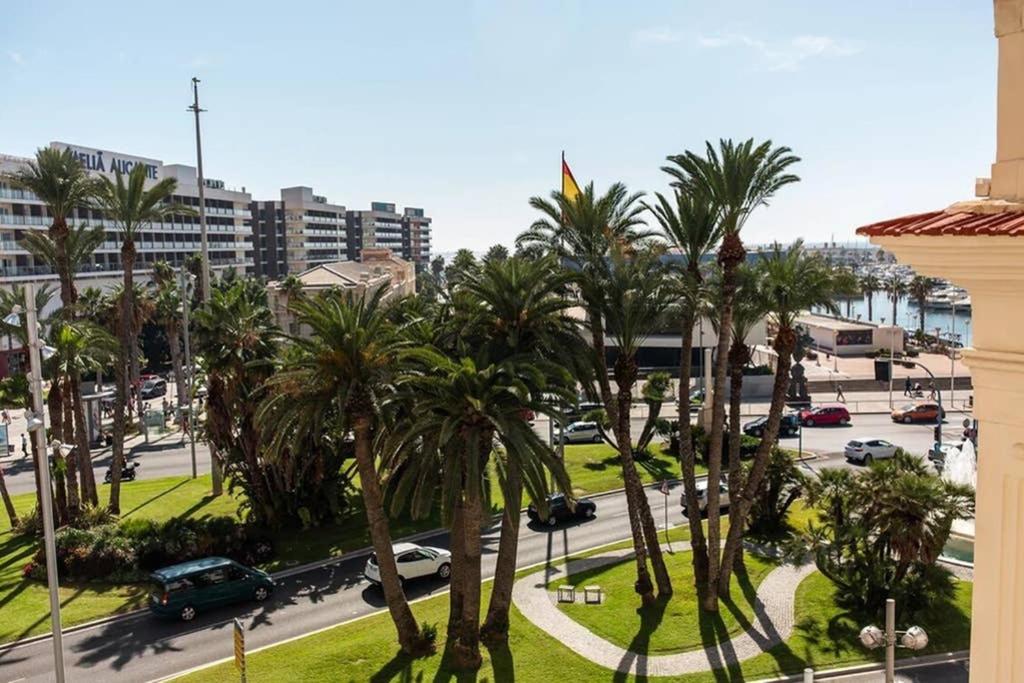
959,223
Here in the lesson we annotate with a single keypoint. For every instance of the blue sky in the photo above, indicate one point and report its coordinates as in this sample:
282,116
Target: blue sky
463,107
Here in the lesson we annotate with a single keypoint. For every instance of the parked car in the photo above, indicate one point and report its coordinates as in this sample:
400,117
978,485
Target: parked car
825,415
413,562
561,509
575,413
153,388
867,451
580,432
788,426
920,412
183,590
702,496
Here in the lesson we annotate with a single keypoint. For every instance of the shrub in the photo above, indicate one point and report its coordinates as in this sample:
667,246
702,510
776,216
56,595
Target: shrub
130,550
783,484
29,524
757,370
90,516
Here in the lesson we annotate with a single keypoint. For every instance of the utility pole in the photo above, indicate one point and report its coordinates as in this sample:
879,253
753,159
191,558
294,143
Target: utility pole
185,301
215,472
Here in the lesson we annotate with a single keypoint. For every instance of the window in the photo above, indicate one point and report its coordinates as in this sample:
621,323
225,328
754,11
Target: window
212,578
236,573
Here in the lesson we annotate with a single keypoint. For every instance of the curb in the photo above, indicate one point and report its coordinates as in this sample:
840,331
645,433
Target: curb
875,667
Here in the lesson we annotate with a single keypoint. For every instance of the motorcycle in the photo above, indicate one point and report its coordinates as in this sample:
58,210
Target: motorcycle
127,473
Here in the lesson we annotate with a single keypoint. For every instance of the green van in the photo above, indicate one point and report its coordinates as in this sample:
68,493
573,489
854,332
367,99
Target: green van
183,590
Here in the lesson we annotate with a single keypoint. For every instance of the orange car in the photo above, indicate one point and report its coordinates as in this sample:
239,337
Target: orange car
921,412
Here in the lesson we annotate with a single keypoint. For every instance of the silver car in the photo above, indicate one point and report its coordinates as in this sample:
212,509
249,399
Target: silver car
868,450
581,432
702,496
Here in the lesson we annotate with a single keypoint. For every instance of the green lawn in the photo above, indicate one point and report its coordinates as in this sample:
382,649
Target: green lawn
668,626
24,605
365,650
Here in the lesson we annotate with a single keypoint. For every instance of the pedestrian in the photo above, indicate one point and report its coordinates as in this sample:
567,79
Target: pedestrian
907,387
931,391
840,396
6,417
24,445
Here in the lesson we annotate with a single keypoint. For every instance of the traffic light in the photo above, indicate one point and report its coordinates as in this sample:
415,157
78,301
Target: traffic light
882,370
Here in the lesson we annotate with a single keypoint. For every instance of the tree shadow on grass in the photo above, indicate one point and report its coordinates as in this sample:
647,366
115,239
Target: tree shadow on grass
651,617
155,498
502,663
612,461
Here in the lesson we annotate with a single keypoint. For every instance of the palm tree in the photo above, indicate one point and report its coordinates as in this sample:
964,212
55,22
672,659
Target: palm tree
518,309
896,288
80,243
132,208
919,289
847,286
692,226
346,363
790,282
12,514
869,284
453,410
167,311
583,233
738,178
8,300
63,184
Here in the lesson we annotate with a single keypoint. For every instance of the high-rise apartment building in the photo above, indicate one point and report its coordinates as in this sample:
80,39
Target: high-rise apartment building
297,232
173,240
406,234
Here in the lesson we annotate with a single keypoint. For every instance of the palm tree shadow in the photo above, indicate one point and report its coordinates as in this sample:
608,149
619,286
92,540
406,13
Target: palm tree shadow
398,669
650,619
502,663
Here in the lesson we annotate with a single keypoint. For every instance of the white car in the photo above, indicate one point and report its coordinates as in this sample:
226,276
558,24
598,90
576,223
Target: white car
868,450
581,432
413,562
702,496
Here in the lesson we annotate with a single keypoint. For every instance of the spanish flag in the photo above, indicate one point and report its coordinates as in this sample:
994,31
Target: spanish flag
569,187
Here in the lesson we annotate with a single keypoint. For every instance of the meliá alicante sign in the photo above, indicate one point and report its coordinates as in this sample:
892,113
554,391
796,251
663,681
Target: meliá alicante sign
108,163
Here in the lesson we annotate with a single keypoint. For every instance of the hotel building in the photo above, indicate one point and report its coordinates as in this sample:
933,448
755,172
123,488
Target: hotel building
406,234
297,232
173,240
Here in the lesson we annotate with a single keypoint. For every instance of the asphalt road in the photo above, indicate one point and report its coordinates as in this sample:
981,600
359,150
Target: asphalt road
169,457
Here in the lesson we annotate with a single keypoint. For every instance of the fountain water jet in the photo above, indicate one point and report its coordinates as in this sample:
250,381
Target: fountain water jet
961,467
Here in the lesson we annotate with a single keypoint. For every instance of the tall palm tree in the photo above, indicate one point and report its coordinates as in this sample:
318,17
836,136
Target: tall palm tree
847,286
869,284
168,314
583,232
919,289
131,207
345,365
790,282
692,225
81,241
518,309
63,184
896,288
738,178
456,408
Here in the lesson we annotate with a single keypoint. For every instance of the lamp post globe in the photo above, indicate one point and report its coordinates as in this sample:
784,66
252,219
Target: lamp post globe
915,638
872,637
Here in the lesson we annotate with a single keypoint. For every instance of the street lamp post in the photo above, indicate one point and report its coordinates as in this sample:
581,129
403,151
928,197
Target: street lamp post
37,427
872,637
188,364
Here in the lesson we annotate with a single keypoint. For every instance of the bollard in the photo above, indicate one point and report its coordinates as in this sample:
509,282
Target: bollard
808,675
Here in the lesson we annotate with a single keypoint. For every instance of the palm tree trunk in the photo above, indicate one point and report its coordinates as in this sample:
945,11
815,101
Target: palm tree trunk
458,543
920,315
729,264
870,298
643,585
785,342
687,461
120,367
71,463
495,628
60,491
12,514
625,378
85,471
174,340
895,300
737,359
466,649
380,535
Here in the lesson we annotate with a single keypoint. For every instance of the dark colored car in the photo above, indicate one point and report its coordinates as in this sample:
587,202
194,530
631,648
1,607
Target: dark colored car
559,510
183,590
789,425
825,415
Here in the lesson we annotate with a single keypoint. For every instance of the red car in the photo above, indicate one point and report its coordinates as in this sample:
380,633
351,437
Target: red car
825,415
